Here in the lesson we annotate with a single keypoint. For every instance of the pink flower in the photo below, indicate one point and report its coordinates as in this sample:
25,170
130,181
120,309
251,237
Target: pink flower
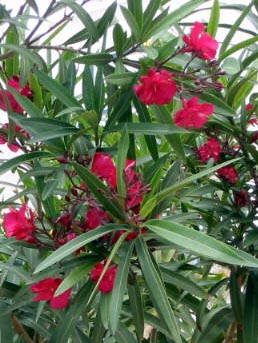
200,43
104,167
14,82
211,149
19,223
96,217
107,283
46,290
228,173
193,114
157,87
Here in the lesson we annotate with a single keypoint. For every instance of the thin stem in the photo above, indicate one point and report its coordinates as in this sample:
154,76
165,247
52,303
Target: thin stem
39,23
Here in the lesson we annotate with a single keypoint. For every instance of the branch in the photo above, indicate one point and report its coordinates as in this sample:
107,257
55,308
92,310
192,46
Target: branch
20,329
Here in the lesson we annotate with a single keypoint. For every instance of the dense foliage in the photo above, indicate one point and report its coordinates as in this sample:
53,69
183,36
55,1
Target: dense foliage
134,218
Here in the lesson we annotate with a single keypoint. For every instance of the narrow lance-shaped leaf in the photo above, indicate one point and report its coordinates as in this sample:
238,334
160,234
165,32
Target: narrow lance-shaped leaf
250,328
57,90
136,305
152,202
23,159
100,191
214,19
84,17
119,287
121,161
173,18
76,244
157,290
200,243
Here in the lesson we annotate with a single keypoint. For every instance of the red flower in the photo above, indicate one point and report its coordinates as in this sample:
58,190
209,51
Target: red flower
14,82
249,107
19,223
211,149
107,283
193,114
104,167
242,198
95,217
47,288
200,43
228,173
253,121
254,137
157,87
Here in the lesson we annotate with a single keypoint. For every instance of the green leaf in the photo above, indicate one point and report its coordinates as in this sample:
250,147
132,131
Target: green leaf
29,55
145,118
84,17
148,129
200,243
57,90
23,159
157,290
119,38
183,282
119,287
95,59
250,328
233,30
217,326
77,274
152,202
231,66
239,46
136,305
163,116
121,161
120,79
214,19
106,19
43,129
76,244
132,23
173,18
25,103
149,13
123,335
135,8
69,319
100,191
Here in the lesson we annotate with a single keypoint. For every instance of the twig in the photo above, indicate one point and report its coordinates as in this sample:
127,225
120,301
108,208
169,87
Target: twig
20,329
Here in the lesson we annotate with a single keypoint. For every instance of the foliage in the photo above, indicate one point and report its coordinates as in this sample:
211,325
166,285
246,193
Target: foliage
134,217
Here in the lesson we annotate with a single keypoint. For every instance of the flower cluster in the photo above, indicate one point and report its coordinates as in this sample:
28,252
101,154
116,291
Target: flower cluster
211,149
6,97
159,86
